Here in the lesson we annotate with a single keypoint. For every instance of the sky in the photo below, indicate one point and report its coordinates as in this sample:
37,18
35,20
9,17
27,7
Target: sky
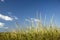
23,10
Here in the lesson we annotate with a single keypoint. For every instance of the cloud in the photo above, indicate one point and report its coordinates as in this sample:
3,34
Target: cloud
32,20
36,20
1,24
2,0
28,20
7,18
15,17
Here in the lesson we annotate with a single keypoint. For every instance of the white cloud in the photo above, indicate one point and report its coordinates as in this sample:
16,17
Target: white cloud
2,0
32,20
36,20
15,17
1,24
28,20
7,18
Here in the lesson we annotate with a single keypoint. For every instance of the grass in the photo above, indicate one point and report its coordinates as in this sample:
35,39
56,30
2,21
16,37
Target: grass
45,34
40,32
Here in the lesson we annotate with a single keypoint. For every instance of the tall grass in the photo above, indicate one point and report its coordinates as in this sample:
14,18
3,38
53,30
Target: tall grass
40,32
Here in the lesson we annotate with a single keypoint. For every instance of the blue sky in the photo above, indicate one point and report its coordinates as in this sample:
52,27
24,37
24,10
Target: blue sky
23,9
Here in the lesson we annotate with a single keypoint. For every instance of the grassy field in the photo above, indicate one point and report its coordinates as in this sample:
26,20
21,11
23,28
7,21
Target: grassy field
33,34
40,32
